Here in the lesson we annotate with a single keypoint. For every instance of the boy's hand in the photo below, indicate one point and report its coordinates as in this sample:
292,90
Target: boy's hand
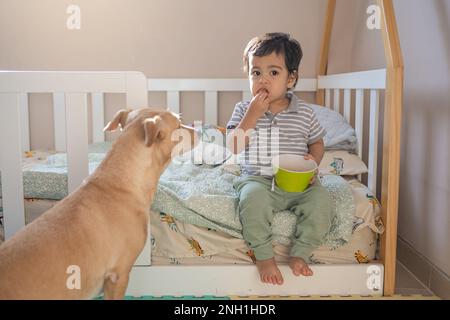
259,104
311,157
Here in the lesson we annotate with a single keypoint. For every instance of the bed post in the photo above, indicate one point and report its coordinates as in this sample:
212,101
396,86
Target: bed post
391,143
324,49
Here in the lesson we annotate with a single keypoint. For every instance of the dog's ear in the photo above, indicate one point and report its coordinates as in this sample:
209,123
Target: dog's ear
152,130
119,119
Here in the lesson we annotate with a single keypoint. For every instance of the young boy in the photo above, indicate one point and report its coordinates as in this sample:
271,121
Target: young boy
275,115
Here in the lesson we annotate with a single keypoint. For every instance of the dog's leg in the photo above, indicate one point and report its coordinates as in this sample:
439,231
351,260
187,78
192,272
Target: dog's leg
115,285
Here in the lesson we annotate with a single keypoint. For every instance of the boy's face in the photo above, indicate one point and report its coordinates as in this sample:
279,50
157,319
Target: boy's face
269,73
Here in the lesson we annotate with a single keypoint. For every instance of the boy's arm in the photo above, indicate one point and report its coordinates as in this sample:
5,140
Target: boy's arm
258,106
316,151
234,136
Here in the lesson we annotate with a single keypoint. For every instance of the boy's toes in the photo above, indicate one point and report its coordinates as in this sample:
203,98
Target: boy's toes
297,271
279,280
300,267
306,271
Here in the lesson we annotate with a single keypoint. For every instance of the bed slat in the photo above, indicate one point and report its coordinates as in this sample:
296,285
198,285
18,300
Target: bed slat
173,101
347,104
359,118
327,98
11,163
25,121
135,89
77,139
247,96
211,107
98,117
336,99
59,120
373,140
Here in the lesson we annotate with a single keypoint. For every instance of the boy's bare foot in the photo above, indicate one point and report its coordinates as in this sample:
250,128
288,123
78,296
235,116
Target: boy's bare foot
299,266
269,272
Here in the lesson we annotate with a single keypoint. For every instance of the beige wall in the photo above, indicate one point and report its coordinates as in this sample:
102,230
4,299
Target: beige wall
424,29
173,39
163,39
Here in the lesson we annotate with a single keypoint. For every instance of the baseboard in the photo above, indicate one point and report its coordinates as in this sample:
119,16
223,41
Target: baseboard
430,275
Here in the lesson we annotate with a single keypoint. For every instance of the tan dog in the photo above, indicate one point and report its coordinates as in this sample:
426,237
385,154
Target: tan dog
101,227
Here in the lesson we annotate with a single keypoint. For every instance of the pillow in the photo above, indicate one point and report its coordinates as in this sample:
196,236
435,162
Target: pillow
340,134
341,163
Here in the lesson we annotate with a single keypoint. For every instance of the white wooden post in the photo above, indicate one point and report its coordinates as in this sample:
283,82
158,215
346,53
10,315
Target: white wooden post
173,101
98,117
359,118
77,139
247,96
11,163
59,121
327,98
347,104
25,121
211,107
373,140
136,90
336,100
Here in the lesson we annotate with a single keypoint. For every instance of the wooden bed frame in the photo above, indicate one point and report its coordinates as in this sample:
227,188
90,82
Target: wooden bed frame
70,96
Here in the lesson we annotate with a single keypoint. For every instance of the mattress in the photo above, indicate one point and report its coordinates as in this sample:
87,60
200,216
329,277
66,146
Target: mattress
176,242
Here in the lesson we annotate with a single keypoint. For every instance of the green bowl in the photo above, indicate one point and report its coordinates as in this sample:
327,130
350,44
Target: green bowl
293,173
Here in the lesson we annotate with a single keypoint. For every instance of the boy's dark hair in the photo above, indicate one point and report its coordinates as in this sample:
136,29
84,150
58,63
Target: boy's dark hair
281,43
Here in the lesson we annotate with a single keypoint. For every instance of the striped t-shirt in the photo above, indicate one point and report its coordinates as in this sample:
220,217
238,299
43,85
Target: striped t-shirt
289,131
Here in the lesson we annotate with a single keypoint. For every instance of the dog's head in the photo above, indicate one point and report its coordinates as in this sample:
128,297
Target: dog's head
160,128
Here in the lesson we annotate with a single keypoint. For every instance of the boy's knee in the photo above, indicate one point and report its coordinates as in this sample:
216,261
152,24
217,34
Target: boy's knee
326,204
321,197
254,196
253,191
254,200
321,204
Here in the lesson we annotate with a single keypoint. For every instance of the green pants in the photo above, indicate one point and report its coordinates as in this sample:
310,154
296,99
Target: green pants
257,203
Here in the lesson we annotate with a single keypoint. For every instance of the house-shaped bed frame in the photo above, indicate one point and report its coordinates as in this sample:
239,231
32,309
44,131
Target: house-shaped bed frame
70,92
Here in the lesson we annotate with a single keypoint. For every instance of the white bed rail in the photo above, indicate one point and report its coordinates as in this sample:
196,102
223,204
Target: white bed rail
350,86
70,90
